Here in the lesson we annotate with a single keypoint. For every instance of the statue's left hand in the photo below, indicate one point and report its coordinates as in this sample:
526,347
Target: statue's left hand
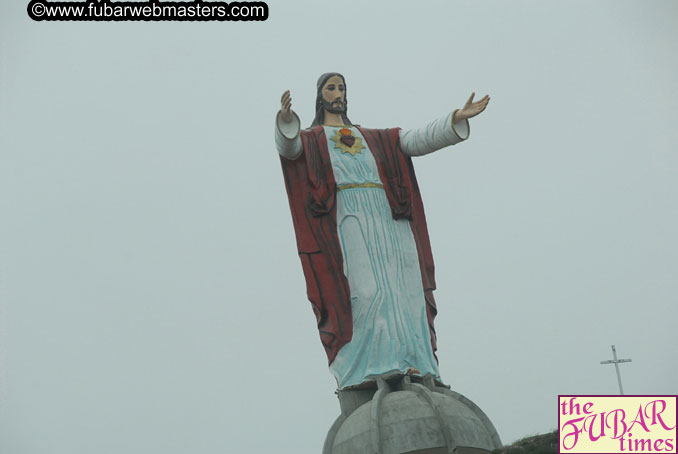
471,109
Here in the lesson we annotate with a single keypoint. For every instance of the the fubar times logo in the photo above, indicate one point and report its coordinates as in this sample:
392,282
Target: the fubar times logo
617,424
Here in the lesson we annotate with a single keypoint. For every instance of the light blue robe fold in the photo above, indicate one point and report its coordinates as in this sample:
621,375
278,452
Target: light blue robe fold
390,328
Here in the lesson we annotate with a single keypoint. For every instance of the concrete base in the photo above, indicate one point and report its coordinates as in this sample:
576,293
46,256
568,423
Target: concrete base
408,415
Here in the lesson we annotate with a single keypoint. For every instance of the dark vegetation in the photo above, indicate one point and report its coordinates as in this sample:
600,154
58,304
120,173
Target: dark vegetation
537,444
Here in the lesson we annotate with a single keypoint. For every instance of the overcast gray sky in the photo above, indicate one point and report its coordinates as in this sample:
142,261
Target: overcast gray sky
151,296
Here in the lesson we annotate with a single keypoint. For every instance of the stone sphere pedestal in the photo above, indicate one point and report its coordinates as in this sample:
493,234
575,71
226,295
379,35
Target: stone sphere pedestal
404,414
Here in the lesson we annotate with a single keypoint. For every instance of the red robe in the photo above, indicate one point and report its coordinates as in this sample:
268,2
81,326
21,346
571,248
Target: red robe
311,189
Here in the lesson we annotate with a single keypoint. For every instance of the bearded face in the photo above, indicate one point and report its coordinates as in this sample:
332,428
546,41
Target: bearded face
334,95
331,99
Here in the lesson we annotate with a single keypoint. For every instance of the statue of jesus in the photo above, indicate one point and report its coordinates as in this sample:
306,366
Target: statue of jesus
361,233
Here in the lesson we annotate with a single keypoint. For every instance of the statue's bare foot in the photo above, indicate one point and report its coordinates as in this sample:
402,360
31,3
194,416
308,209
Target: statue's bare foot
413,371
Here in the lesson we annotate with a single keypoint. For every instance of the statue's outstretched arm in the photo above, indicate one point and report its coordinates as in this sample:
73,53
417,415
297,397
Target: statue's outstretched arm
438,134
443,132
287,127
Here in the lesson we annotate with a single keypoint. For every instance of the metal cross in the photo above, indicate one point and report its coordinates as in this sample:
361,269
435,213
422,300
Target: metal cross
616,362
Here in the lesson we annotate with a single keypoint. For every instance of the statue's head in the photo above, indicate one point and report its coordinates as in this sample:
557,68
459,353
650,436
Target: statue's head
331,97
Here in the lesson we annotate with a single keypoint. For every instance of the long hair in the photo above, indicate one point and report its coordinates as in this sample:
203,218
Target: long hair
319,110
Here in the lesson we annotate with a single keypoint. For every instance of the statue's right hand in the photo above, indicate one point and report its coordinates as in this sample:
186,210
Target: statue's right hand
286,106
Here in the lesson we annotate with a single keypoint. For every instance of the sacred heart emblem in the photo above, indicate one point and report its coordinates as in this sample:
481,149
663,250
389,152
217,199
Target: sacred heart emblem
347,142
